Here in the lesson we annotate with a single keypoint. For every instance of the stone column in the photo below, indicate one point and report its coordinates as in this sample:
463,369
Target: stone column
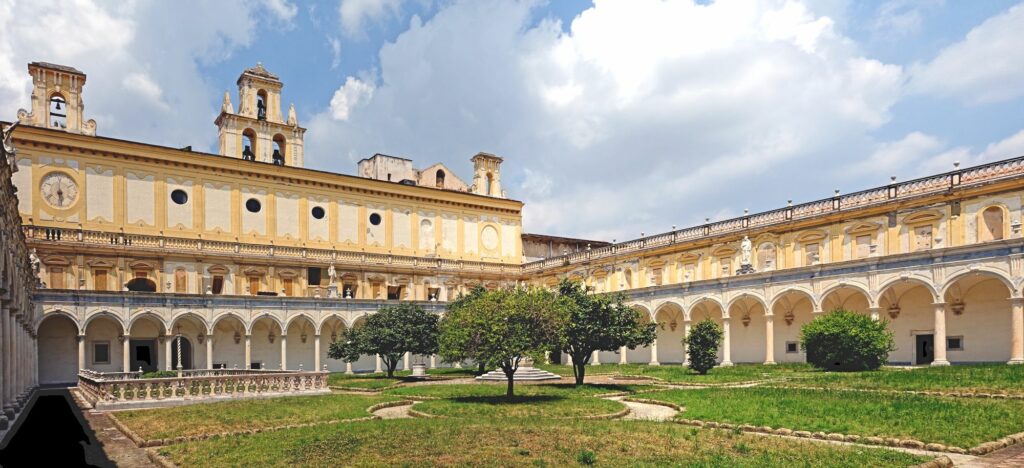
348,368
1017,331
595,359
769,336
316,352
406,360
654,353
876,312
623,359
284,351
378,367
686,333
209,351
126,355
167,352
248,351
726,348
433,361
81,352
940,335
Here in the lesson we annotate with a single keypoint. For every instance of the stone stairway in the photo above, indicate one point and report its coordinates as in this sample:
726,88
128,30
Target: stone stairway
523,373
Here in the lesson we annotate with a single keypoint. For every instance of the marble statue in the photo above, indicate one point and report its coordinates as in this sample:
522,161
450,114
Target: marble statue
745,247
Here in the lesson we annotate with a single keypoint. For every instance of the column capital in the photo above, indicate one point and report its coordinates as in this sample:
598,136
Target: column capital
1017,300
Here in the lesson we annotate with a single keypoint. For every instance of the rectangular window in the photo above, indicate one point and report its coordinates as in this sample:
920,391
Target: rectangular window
792,347
314,274
180,281
286,286
101,352
811,254
254,285
923,238
394,293
218,285
955,343
99,280
56,278
657,277
862,249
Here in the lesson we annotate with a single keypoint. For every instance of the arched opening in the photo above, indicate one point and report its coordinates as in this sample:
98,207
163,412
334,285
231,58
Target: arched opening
708,309
490,183
990,227
261,105
847,298
908,306
301,336
365,363
58,112
229,343
249,144
747,330
640,354
141,285
791,311
147,336
669,319
58,350
439,179
103,338
333,329
978,319
266,344
192,329
279,150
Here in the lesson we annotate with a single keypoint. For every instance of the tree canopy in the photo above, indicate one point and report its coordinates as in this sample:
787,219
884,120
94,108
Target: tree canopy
390,333
501,327
599,322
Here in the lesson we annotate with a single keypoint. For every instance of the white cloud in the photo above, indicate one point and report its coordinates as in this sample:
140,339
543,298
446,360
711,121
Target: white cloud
644,114
895,19
984,67
142,60
919,154
355,14
352,94
284,10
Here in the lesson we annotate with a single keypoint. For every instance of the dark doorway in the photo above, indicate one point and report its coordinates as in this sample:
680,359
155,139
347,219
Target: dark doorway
925,349
143,355
186,353
57,426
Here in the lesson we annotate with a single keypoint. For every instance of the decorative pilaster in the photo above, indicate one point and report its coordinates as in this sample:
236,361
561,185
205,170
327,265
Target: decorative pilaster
1016,331
940,335
316,352
769,336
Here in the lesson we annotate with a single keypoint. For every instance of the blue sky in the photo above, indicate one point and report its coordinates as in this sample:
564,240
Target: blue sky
614,117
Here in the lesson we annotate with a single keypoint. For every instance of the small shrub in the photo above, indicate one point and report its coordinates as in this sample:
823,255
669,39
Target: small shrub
586,457
160,374
702,345
846,341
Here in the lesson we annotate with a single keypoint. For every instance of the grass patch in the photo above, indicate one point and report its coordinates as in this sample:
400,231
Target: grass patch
531,401
425,442
952,421
983,378
378,380
675,373
213,418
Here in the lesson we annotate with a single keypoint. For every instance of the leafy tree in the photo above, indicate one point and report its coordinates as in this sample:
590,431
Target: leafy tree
847,341
702,345
389,333
499,328
599,322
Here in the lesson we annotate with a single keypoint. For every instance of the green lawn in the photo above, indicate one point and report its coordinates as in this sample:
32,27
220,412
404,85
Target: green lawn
212,418
519,442
498,389
985,378
962,422
379,380
675,373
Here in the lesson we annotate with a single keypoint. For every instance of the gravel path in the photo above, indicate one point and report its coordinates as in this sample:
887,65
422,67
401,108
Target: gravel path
394,412
646,411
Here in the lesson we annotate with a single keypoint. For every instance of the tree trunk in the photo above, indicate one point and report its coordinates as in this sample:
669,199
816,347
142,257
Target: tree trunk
509,373
480,368
579,366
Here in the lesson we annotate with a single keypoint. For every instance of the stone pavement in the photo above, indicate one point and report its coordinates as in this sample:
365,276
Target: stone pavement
119,449
1010,457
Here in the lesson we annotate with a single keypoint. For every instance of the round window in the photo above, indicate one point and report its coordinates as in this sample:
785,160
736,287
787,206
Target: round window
253,205
318,212
179,196
375,219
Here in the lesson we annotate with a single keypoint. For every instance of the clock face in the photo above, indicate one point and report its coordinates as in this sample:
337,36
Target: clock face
59,190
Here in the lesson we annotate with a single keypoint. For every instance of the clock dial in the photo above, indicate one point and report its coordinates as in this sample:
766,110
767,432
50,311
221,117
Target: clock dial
59,190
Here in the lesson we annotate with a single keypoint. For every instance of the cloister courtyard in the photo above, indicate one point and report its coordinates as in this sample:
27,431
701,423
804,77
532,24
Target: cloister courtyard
744,415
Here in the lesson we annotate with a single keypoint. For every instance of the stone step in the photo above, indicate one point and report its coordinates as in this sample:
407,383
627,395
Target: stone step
522,374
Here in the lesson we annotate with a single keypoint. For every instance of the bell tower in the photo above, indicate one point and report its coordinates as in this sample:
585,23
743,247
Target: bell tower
487,175
258,132
57,99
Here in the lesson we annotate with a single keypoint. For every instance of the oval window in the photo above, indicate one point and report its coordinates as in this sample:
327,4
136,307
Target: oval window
179,196
318,212
375,219
253,205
